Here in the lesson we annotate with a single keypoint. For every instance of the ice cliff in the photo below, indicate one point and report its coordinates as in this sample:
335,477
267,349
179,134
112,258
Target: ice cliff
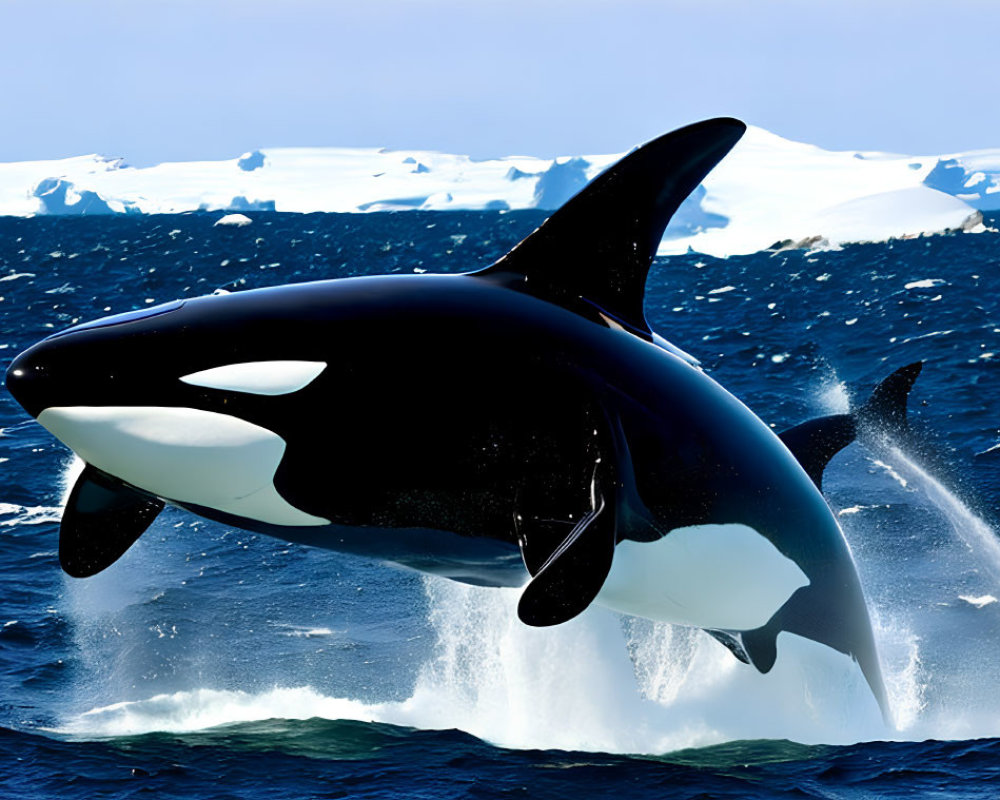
769,192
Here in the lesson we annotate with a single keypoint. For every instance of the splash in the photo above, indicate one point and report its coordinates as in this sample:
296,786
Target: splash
971,529
601,683
834,397
935,615
593,684
902,670
67,478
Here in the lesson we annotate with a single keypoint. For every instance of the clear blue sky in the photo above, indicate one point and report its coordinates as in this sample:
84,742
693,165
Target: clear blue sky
154,81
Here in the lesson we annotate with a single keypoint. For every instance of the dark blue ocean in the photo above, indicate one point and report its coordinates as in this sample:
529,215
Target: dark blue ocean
210,662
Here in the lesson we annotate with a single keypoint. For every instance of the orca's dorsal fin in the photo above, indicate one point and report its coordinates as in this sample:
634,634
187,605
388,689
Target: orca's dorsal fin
601,243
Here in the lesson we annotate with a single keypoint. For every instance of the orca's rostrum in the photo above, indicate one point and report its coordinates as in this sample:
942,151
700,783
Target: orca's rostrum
517,424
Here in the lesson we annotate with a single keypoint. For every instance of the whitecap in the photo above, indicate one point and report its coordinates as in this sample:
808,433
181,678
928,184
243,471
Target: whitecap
980,601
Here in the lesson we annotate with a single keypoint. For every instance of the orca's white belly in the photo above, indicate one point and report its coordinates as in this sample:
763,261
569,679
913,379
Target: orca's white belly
728,577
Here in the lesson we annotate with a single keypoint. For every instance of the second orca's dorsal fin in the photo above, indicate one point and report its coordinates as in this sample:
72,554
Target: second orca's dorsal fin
601,243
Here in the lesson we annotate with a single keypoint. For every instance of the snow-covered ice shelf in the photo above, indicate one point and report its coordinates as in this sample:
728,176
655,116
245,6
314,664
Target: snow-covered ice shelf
768,190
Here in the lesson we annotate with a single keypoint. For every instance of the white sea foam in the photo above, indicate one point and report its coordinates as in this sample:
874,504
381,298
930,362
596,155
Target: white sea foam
12,515
927,283
980,601
200,709
70,472
305,631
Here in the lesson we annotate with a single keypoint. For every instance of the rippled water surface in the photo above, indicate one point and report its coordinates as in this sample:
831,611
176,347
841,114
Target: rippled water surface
214,662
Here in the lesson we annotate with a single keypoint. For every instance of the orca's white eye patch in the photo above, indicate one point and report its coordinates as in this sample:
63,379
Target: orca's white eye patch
258,377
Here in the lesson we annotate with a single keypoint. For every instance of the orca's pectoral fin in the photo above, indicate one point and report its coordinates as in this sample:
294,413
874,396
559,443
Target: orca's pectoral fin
732,641
761,646
569,580
103,518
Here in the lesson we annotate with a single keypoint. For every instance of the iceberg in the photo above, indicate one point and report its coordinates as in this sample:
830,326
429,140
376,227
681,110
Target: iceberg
769,193
235,220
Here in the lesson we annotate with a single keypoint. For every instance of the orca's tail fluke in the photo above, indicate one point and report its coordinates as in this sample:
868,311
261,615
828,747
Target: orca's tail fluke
884,413
882,416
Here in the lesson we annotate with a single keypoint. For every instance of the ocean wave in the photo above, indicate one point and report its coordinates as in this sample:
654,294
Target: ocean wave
13,515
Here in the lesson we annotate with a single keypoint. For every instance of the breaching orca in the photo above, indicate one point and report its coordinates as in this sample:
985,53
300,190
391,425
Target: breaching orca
519,423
